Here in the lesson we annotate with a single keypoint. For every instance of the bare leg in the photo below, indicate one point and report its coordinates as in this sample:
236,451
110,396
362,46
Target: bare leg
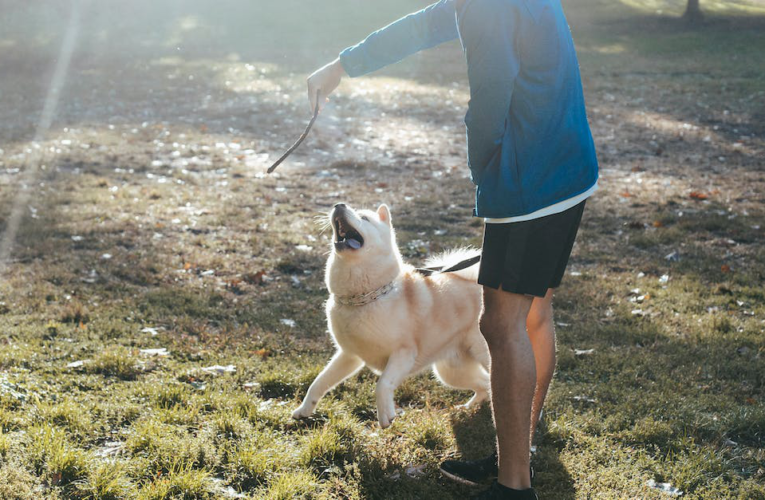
342,366
541,330
513,381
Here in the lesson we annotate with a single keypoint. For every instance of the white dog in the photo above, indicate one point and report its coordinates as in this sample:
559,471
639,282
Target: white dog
384,314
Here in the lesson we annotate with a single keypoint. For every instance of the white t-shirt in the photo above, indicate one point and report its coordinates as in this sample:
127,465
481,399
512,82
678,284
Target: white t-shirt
555,208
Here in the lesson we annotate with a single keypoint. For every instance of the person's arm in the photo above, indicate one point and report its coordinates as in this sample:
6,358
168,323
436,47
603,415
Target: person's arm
421,30
488,29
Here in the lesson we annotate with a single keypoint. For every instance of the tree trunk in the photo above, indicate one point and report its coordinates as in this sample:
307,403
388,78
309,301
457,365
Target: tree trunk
693,12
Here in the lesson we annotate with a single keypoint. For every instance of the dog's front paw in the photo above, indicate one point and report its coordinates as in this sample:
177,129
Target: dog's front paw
386,412
302,411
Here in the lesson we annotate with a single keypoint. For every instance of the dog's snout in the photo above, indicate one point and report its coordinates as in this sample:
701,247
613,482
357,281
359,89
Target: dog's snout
339,205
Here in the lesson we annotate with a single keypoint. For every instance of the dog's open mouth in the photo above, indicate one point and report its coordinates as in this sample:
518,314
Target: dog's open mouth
346,237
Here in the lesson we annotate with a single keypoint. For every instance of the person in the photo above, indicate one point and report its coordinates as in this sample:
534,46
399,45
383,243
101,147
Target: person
532,159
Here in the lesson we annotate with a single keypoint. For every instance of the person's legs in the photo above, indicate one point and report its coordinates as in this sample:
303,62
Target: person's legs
513,381
541,331
520,262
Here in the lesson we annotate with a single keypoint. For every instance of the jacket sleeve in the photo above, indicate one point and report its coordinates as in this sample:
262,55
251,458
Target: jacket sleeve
488,30
421,30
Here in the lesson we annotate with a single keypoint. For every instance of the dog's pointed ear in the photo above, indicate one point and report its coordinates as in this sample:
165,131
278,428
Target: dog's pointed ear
383,212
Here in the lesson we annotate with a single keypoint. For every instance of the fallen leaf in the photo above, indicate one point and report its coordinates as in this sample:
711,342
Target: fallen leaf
673,257
698,195
584,399
110,448
155,352
219,370
255,278
415,470
233,283
665,488
725,268
658,223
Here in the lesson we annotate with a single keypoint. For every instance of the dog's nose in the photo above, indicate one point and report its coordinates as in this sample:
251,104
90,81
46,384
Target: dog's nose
339,205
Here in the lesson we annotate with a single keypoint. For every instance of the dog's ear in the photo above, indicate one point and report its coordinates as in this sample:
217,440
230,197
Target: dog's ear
384,213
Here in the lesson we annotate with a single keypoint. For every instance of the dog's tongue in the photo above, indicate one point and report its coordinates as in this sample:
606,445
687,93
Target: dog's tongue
353,243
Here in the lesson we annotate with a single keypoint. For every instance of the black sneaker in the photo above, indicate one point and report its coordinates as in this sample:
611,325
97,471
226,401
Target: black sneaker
473,472
499,492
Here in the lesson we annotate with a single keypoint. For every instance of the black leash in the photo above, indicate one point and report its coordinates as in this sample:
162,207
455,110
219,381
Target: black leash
459,266
425,271
300,139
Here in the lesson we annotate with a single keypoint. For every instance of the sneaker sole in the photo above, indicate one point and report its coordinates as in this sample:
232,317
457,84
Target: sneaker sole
467,482
458,479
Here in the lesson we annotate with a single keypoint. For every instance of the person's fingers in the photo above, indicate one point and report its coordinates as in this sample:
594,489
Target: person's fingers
311,95
322,98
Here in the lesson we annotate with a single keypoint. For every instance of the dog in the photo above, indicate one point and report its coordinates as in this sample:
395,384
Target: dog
384,314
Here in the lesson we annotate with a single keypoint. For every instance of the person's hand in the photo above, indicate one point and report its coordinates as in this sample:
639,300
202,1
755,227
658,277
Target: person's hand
324,81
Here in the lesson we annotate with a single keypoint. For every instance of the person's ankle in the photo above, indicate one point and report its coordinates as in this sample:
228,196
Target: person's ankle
526,493
522,484
514,477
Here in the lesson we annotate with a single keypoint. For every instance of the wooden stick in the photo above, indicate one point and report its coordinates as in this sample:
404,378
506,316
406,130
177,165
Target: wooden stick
300,140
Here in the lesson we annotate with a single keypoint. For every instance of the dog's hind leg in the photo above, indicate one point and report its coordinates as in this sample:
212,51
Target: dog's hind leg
464,372
342,366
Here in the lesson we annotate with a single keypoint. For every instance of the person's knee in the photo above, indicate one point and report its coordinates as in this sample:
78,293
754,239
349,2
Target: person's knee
499,328
540,320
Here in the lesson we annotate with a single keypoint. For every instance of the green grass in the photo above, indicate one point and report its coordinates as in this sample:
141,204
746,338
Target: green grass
209,262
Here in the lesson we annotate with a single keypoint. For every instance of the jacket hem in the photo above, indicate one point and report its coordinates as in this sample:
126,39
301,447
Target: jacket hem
483,214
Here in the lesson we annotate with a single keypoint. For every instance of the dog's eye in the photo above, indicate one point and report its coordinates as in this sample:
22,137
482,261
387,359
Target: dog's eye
364,217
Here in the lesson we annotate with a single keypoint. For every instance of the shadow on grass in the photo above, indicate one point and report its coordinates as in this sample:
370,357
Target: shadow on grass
475,436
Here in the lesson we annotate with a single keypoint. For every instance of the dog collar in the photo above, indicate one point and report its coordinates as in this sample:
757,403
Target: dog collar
363,299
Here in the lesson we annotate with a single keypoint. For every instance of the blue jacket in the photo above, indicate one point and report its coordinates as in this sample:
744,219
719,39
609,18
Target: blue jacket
529,143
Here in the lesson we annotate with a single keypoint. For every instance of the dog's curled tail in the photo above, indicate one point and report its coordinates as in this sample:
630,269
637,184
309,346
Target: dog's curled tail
453,257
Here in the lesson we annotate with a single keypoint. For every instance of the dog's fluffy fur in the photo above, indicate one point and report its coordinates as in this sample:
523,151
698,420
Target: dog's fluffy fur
421,322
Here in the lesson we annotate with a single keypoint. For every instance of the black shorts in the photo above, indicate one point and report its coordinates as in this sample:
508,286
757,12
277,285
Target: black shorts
529,257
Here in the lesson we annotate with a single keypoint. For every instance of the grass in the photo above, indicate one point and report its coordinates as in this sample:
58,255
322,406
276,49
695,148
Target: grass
218,264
